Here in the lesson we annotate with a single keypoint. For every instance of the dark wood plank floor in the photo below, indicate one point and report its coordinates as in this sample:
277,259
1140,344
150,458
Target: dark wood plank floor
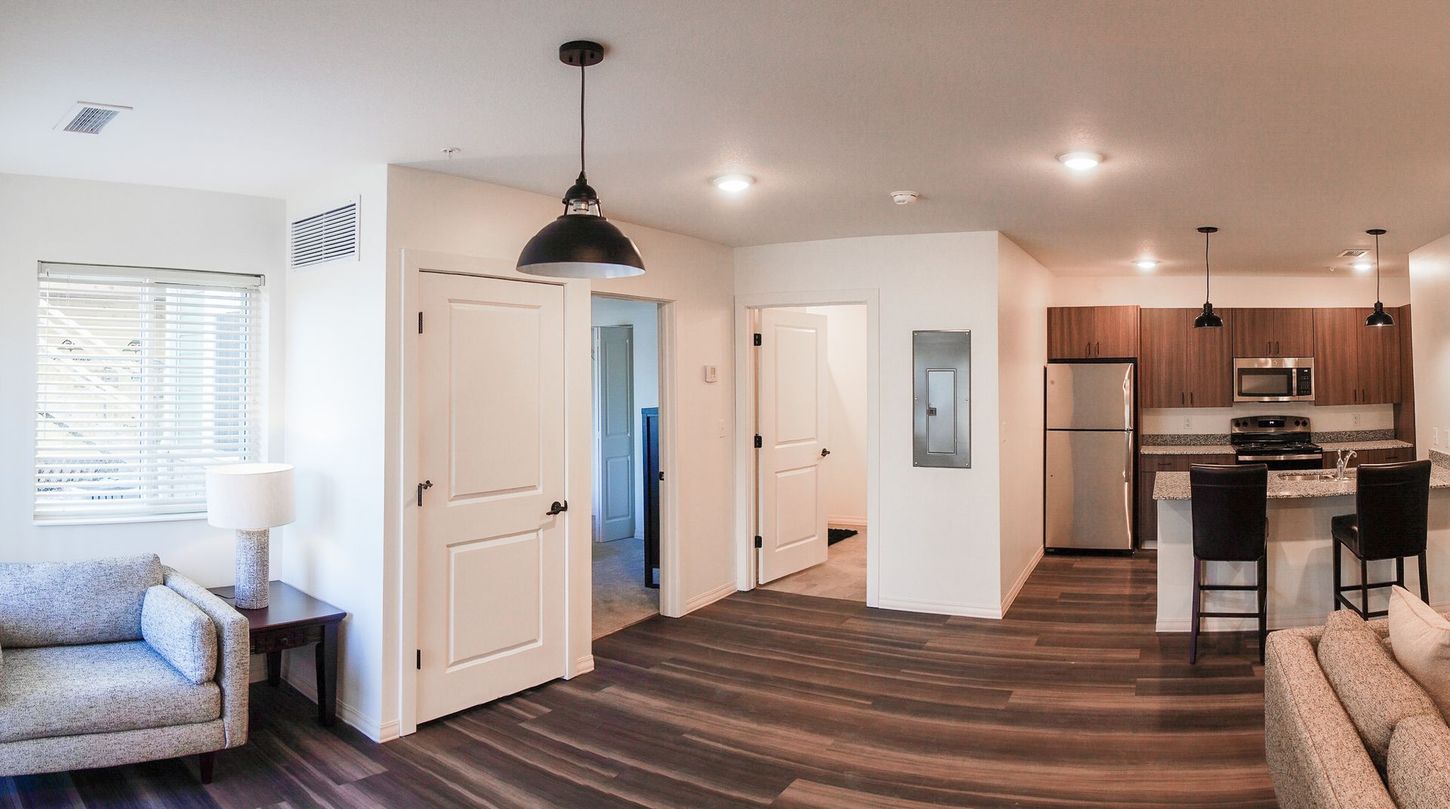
773,699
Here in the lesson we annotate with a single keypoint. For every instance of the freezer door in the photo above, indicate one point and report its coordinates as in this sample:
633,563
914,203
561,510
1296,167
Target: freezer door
1089,490
1090,396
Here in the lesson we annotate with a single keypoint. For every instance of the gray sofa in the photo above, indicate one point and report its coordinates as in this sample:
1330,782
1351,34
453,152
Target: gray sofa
116,661
1345,727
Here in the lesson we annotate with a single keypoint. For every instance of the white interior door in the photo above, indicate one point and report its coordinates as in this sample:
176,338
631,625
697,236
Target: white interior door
791,423
614,516
491,588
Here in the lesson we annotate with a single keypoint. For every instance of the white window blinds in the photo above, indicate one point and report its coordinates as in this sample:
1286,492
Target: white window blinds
144,377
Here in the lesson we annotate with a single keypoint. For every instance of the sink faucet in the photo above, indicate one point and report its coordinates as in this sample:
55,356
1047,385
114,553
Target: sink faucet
1344,457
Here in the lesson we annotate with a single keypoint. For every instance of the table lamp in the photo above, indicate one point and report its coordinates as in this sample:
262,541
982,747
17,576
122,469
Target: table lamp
251,498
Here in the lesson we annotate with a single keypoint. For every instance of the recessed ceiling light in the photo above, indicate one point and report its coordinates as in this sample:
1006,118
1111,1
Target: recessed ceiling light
733,183
1080,161
1363,265
1146,264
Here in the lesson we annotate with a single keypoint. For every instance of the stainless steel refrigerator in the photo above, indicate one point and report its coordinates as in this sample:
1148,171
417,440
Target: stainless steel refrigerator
1089,487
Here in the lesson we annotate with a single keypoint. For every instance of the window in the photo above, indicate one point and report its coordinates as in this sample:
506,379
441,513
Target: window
144,377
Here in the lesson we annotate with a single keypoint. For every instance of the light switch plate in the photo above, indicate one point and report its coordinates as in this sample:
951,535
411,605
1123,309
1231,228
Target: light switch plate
711,374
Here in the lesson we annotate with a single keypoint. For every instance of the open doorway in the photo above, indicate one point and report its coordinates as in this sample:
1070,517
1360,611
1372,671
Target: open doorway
811,468
625,524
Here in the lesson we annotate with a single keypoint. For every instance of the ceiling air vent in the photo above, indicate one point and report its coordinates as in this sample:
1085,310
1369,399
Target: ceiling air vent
89,118
328,236
1354,252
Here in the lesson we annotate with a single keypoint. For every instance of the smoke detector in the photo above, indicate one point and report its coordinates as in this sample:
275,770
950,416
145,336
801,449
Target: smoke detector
904,197
89,118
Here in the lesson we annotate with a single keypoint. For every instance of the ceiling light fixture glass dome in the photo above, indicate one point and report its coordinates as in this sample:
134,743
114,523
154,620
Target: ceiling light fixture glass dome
1080,161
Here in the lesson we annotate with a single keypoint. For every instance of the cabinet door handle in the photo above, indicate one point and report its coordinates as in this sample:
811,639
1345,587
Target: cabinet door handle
1182,398
1097,349
1190,399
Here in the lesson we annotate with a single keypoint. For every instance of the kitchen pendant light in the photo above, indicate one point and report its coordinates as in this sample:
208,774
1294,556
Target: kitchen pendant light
1379,317
1208,319
581,243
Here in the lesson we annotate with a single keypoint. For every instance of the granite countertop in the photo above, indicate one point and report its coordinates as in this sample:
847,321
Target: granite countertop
1175,486
1225,449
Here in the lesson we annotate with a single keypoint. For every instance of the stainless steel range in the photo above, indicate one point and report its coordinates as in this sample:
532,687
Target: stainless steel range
1282,442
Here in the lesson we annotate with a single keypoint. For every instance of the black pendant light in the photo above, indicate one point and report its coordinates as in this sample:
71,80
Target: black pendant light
1208,319
1379,317
581,243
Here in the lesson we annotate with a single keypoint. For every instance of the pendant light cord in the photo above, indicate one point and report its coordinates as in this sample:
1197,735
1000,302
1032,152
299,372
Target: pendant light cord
581,120
1377,268
1206,295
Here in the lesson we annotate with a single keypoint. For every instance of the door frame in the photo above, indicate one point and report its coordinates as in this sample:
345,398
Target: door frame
746,308
402,448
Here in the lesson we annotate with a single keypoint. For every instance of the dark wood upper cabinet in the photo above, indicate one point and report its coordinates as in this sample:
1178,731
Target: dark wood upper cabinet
1181,366
1273,333
1354,363
1092,332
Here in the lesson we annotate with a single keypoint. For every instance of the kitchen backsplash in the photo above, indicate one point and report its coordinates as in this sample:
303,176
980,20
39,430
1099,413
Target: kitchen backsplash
1216,439
1214,420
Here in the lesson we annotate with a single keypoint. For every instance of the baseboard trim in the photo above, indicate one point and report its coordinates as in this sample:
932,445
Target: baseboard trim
1011,594
859,523
708,597
582,665
368,726
939,607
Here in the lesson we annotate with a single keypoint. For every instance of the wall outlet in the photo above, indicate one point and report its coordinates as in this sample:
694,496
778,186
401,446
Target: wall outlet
1187,423
1355,419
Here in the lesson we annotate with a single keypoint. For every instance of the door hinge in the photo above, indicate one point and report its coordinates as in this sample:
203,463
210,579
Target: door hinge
759,542
758,442
662,474
757,338
420,660
420,322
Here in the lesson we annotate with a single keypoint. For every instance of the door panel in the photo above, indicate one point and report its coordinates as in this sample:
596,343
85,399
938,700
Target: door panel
791,421
614,503
1115,331
1070,332
1336,356
491,429
1253,332
1163,375
1294,332
1379,362
1209,378
1089,489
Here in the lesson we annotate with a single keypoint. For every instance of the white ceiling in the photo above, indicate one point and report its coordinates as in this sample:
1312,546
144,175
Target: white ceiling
1292,125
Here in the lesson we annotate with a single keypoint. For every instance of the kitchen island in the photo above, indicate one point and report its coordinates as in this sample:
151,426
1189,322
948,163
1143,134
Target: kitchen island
1301,589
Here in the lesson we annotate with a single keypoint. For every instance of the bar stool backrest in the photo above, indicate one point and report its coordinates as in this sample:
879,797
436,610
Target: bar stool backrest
1393,501
1230,511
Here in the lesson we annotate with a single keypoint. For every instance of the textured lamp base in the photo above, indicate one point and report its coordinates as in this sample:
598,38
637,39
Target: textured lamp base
252,569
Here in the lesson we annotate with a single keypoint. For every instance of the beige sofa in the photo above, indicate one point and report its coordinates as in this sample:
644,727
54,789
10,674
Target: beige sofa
1319,758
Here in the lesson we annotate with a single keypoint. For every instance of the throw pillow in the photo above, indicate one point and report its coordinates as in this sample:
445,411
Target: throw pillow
1420,638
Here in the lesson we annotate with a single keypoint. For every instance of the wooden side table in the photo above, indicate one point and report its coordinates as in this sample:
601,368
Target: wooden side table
291,619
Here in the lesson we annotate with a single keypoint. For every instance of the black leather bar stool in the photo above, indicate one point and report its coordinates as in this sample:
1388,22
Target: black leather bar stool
1230,524
1392,505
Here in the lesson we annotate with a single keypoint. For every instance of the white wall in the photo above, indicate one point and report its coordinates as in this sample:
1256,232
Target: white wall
1344,288
937,532
1201,420
643,318
1430,301
335,438
49,219
844,476
446,214
1024,287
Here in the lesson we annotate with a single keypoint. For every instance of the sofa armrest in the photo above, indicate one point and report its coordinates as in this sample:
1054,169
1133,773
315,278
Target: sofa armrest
1315,756
234,647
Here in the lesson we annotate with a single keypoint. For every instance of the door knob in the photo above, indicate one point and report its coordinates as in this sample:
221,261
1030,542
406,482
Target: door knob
557,508
825,452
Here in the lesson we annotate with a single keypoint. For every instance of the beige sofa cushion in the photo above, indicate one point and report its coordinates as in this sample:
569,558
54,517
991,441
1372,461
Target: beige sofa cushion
1418,766
1420,638
1375,692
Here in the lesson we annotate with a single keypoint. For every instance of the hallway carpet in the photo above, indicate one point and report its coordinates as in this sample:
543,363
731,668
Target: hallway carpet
620,597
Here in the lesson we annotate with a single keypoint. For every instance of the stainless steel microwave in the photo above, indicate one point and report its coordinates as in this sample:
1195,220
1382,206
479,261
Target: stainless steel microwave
1274,379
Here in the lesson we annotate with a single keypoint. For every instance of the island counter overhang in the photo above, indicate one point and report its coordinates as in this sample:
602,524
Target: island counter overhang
1301,573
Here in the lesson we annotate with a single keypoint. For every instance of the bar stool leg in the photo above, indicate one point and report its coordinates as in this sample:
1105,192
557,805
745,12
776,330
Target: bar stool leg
1263,605
1424,582
1338,572
1400,571
1197,596
1363,588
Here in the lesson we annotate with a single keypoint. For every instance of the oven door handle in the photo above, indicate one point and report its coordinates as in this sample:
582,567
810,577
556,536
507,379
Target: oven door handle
1269,458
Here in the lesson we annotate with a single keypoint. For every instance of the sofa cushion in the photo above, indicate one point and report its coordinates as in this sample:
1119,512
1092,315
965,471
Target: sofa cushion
180,632
1420,638
61,603
1374,690
97,688
1417,770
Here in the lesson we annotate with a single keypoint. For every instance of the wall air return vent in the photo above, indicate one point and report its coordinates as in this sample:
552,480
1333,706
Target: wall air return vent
1354,252
89,118
328,236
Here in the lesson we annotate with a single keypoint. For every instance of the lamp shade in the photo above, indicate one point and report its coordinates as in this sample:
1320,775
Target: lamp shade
581,246
249,496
